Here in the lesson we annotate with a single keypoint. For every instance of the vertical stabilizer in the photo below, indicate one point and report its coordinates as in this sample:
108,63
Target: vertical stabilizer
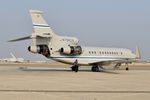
12,55
39,24
138,53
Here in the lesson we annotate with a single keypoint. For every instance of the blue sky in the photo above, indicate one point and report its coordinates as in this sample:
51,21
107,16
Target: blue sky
106,23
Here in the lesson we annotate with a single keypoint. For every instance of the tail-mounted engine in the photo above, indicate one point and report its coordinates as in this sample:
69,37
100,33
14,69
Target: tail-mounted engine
72,50
41,49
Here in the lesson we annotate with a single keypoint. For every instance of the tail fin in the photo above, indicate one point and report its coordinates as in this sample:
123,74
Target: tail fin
12,55
39,24
41,28
138,53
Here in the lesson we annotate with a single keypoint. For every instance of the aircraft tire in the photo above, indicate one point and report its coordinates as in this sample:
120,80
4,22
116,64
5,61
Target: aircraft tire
127,68
95,69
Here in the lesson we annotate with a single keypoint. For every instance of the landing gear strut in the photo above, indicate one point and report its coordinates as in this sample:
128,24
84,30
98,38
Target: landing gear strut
95,68
127,68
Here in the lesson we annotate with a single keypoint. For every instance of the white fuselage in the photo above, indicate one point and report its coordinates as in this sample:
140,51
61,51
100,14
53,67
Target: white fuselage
95,54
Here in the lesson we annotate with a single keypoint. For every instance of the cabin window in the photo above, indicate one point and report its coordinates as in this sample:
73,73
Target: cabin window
100,52
121,53
95,52
107,52
89,52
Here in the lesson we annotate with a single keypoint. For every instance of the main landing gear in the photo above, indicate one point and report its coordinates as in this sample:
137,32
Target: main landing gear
95,68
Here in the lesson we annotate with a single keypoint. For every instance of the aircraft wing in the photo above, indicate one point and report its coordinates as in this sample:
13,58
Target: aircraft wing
108,62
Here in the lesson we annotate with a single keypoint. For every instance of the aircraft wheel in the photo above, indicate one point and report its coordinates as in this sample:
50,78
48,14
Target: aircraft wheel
95,68
127,68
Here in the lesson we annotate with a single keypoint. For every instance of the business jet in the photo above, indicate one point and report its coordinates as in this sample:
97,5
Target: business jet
13,59
68,49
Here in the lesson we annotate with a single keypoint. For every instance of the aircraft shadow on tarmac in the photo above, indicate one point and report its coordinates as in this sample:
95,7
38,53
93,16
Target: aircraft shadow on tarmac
65,70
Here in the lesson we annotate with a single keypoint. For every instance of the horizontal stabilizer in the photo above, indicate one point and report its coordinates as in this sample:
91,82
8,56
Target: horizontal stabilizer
20,39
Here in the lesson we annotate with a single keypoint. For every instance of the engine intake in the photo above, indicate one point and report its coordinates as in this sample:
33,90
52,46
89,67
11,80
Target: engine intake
73,50
41,49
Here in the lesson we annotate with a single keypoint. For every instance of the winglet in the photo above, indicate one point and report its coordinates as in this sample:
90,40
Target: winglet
138,53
